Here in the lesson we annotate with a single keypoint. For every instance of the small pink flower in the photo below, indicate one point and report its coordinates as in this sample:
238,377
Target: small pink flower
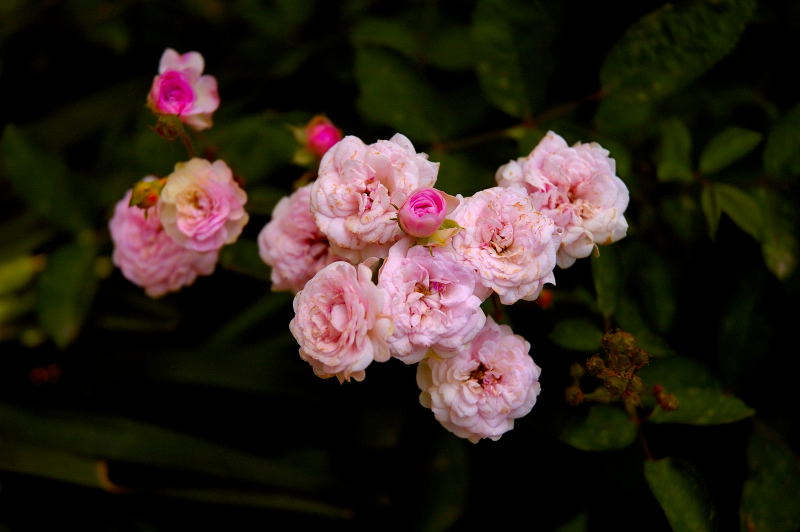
352,199
510,246
202,207
481,391
180,89
321,134
430,297
292,244
424,211
339,322
148,257
577,188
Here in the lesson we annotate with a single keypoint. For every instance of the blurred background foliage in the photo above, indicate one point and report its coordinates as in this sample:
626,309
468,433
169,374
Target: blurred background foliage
193,412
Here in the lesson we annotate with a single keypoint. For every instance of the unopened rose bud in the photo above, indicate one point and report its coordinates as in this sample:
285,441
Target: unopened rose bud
146,192
321,134
423,212
545,299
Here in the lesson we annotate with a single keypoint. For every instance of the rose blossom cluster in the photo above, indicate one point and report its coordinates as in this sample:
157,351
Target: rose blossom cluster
168,231
442,257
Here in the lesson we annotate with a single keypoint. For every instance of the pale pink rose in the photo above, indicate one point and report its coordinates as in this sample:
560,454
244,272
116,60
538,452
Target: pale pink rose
321,135
511,247
339,322
424,211
292,245
202,207
148,257
180,89
358,185
481,391
575,186
430,297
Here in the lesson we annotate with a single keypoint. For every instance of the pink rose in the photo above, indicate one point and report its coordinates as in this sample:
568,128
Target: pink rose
292,244
430,297
180,89
339,322
577,188
352,199
202,207
424,211
321,135
481,391
511,247
148,257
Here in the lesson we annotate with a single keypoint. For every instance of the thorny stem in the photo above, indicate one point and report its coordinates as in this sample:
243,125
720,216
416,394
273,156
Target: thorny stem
187,143
550,114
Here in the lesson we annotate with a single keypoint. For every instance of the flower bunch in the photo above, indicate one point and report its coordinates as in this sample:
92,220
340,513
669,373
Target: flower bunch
442,257
383,264
168,231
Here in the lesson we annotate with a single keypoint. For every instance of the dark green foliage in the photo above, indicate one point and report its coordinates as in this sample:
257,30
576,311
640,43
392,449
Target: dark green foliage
194,411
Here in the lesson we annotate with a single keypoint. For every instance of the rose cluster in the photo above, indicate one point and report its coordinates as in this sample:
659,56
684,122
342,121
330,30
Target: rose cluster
440,257
373,209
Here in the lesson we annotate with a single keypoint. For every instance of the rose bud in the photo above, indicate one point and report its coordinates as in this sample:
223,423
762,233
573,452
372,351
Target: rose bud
321,134
424,211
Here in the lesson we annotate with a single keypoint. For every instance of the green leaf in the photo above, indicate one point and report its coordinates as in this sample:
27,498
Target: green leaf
682,495
708,201
579,523
65,291
66,467
653,286
629,316
242,256
42,179
94,473
446,486
387,32
116,438
21,235
254,146
674,160
727,148
576,334
513,48
16,273
604,428
618,115
461,173
395,94
669,48
743,208
258,313
451,48
607,276
772,489
782,151
701,400
780,246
